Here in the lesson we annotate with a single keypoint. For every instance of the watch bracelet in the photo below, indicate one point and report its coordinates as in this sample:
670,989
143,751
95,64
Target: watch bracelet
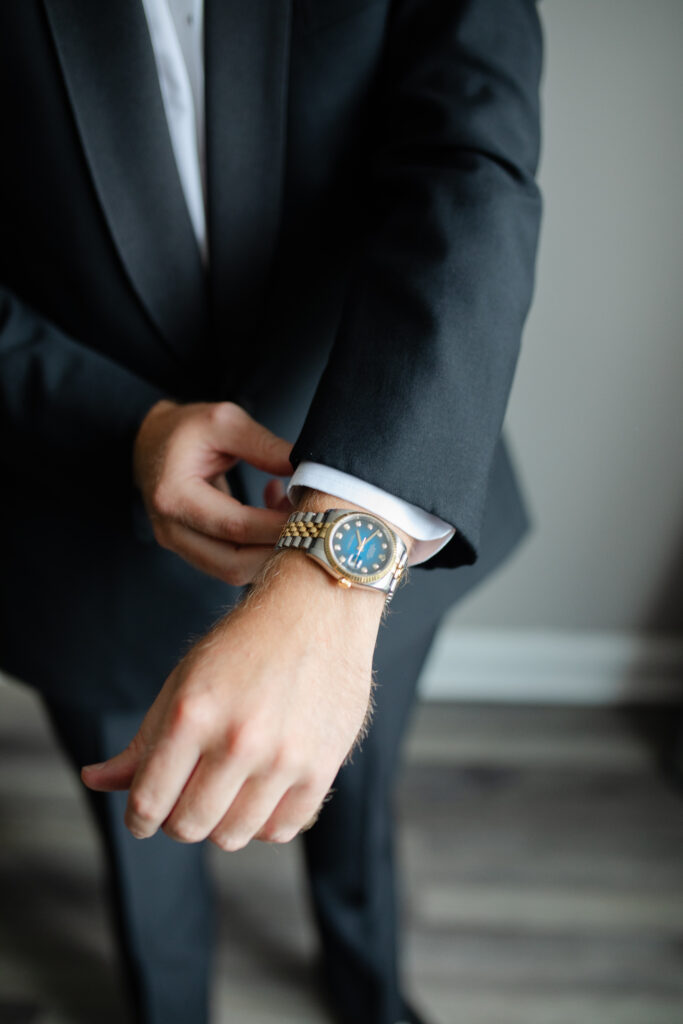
303,528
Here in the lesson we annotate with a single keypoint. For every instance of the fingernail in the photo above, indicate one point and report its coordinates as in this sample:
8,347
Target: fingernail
94,767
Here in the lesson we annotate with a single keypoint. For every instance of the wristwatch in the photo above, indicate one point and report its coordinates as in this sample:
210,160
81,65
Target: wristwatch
357,548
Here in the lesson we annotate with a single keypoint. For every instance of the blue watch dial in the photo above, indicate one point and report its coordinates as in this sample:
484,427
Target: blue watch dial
362,547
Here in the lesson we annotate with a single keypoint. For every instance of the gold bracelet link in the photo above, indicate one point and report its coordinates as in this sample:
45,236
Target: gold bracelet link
301,529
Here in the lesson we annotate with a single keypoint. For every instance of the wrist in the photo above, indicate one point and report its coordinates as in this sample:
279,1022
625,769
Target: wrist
299,591
354,548
290,570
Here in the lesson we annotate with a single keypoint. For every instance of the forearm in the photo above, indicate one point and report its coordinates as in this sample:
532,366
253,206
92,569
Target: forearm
442,281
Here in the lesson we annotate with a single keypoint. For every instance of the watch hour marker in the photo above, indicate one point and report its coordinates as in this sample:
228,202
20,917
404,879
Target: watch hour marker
364,569
385,545
358,522
347,526
375,565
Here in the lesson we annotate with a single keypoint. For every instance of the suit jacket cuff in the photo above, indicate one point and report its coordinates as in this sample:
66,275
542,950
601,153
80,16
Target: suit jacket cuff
429,532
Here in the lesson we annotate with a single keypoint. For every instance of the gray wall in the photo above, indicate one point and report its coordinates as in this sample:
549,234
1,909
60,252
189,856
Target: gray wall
596,416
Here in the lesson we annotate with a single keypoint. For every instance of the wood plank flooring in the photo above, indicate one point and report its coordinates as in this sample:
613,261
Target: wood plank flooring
542,853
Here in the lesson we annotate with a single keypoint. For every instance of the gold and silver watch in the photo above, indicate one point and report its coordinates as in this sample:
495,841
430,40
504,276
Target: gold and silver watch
357,548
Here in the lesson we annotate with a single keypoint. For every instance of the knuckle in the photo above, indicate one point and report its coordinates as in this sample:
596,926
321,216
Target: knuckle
277,834
287,761
229,843
190,712
182,832
245,743
224,414
141,808
237,576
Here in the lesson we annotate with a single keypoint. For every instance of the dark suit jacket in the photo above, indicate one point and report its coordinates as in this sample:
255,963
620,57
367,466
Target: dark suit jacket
373,219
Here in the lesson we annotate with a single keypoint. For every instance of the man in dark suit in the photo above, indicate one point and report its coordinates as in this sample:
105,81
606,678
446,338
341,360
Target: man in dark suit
359,283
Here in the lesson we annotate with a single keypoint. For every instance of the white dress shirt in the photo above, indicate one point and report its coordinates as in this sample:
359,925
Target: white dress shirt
176,31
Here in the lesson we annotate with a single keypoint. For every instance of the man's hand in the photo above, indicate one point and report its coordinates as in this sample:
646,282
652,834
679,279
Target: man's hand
180,458
249,731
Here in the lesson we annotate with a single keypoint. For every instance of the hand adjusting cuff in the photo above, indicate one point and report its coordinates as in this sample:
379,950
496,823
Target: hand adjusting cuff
357,548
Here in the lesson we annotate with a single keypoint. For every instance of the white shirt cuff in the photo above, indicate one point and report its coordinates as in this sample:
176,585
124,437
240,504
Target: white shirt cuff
428,531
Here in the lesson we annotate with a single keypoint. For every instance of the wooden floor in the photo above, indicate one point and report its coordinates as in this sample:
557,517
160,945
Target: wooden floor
543,864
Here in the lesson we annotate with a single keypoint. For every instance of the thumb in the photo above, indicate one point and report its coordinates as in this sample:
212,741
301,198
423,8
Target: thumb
116,773
239,434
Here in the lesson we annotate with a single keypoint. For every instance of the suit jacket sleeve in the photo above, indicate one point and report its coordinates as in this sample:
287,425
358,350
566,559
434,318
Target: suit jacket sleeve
413,395
65,409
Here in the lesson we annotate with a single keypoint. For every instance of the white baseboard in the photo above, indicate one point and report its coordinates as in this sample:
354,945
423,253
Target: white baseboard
553,667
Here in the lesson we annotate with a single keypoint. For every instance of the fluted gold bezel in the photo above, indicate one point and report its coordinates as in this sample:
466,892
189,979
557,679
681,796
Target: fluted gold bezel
356,577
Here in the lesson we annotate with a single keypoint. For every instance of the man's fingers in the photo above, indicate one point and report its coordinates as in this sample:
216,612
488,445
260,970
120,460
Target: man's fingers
160,780
206,798
248,812
297,811
219,801
207,510
235,566
236,432
116,773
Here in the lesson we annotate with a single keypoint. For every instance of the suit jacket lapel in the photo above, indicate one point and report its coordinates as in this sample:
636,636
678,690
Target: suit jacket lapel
246,45
108,66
